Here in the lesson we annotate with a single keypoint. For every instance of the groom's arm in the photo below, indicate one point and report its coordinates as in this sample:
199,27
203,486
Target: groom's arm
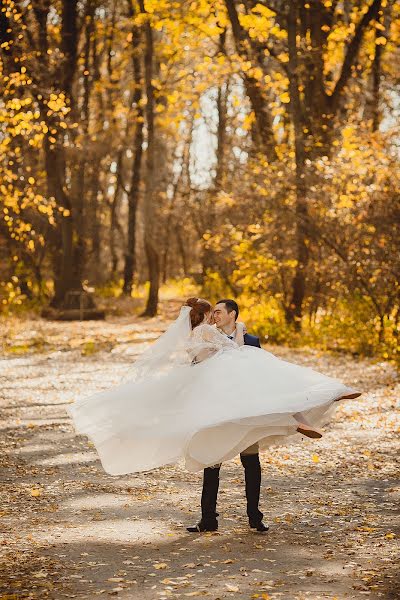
252,340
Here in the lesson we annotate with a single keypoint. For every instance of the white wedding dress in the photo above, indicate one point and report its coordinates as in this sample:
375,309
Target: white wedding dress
171,408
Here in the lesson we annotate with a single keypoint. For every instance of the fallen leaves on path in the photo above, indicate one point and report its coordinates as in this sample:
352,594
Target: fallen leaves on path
71,531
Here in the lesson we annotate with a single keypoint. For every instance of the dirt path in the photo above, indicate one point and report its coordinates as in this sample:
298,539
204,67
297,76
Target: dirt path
71,531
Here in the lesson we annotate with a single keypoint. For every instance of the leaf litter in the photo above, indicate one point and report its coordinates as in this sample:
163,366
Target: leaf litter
71,531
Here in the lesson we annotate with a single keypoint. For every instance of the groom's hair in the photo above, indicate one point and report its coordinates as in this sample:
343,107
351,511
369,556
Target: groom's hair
230,305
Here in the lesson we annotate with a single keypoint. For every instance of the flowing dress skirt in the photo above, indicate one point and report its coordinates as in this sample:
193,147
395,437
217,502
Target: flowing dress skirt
205,413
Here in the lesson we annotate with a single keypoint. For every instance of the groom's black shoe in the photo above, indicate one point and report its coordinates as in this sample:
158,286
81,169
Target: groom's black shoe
203,527
209,495
252,475
259,526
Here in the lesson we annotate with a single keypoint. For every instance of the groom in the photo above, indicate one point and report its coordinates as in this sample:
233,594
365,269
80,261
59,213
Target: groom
226,313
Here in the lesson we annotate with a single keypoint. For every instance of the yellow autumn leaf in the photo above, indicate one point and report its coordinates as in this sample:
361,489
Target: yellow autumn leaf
315,458
289,518
36,493
277,520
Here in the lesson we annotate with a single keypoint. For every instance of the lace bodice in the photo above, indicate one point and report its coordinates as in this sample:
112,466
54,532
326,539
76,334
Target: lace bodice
205,340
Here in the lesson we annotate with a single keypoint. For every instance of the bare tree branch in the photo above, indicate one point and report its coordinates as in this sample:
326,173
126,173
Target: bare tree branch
352,52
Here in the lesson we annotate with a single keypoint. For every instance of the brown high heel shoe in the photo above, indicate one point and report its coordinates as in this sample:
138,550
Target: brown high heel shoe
349,396
309,431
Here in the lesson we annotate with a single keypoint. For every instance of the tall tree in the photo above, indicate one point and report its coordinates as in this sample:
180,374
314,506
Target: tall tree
152,255
67,272
294,310
136,175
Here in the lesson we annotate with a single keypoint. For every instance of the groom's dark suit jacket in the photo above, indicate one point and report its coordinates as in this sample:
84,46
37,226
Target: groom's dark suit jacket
252,340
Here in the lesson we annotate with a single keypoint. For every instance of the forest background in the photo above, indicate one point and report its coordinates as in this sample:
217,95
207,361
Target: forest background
230,149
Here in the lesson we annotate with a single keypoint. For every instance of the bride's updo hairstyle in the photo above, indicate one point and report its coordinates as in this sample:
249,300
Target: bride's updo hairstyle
199,308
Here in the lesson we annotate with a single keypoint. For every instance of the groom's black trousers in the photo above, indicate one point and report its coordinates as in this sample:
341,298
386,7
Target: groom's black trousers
252,475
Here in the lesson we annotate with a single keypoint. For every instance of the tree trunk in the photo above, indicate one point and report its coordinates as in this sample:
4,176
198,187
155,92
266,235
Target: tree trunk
294,310
182,183
94,226
265,136
79,188
209,256
149,208
114,222
69,45
54,154
384,19
66,276
133,201
182,250
334,102
222,98
133,196
62,254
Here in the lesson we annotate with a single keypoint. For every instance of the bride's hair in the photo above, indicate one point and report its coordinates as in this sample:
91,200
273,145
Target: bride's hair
199,308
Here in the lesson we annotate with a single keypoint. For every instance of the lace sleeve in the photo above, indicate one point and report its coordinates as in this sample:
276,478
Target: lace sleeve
211,335
205,341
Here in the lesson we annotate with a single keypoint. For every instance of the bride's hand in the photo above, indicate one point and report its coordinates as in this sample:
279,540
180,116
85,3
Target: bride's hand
239,336
242,326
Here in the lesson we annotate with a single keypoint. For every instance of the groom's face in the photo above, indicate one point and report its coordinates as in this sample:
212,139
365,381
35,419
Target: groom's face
222,317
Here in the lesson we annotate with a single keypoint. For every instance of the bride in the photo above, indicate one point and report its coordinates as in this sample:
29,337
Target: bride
199,396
